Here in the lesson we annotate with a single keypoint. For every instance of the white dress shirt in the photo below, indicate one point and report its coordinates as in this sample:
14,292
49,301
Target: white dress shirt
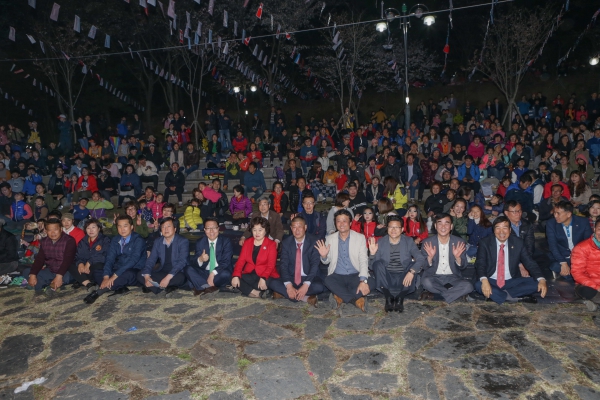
444,260
208,262
507,274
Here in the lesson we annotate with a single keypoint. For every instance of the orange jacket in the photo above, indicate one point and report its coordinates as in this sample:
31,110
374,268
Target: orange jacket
585,264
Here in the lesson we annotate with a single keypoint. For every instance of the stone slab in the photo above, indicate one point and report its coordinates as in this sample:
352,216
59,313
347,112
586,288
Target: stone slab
455,389
275,348
550,367
75,309
283,316
586,362
9,394
237,395
16,351
178,309
503,321
566,320
148,340
195,333
445,325
558,335
316,327
369,360
14,301
360,341
70,325
458,313
217,354
411,312
61,371
487,362
151,372
67,343
415,338
361,323
322,362
254,330
500,386
85,375
11,311
494,308
141,308
105,310
546,396
248,311
142,323
337,393
586,393
375,382
284,378
208,312
449,349
421,379
40,315
173,331
77,391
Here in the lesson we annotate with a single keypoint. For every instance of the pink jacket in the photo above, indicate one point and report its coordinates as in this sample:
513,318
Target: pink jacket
487,161
476,151
156,208
244,204
211,194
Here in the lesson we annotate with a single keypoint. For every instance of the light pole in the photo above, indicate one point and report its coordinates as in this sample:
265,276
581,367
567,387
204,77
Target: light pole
388,16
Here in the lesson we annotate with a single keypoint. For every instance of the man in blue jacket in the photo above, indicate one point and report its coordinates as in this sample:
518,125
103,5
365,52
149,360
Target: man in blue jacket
299,267
126,256
254,181
172,251
564,232
522,193
468,174
593,146
211,266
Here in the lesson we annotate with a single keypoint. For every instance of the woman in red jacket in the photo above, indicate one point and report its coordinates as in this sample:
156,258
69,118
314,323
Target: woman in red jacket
585,269
367,225
414,225
256,264
86,185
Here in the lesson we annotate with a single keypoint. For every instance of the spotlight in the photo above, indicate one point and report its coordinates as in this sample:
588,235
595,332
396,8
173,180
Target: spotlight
236,89
381,26
594,60
252,89
429,20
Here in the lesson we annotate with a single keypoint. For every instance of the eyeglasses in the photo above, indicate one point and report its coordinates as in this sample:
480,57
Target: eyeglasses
308,204
515,211
211,229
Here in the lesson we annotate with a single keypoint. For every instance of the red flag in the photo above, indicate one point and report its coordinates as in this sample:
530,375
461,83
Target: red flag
288,36
446,49
180,36
259,11
247,41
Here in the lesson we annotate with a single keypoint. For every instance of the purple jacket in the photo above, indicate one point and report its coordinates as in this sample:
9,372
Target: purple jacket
244,204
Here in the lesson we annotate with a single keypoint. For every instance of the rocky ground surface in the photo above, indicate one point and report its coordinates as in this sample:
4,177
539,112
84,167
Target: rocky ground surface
229,347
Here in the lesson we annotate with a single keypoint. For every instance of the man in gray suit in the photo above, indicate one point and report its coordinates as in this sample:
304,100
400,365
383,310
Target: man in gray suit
446,259
396,260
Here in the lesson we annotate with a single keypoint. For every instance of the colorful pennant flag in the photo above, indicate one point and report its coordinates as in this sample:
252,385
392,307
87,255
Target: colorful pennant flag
171,9
77,24
92,33
259,11
211,7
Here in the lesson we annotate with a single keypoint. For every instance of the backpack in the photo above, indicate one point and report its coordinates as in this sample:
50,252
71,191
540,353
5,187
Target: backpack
279,174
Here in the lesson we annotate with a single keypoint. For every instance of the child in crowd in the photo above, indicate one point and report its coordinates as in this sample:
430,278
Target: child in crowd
98,206
504,184
450,196
415,226
209,193
19,210
495,206
70,186
519,170
478,228
16,183
156,206
191,220
80,211
41,209
367,225
145,212
330,176
33,178
341,181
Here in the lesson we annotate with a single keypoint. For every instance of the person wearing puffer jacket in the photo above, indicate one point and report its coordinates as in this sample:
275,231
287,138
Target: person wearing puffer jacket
33,178
191,218
585,269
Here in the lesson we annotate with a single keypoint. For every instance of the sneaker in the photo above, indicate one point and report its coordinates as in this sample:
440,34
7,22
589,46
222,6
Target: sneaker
591,306
5,280
321,198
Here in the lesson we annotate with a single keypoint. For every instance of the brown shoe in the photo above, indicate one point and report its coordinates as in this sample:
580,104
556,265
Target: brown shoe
360,303
312,300
277,296
425,295
198,292
338,300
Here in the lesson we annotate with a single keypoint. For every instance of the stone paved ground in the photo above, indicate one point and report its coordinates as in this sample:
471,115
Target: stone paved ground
228,347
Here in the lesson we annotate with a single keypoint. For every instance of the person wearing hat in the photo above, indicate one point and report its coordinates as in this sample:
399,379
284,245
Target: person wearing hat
154,155
65,138
70,229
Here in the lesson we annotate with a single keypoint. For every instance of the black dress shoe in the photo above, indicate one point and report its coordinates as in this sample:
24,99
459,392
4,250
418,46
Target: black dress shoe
120,291
76,286
146,289
528,299
399,306
169,290
389,305
92,297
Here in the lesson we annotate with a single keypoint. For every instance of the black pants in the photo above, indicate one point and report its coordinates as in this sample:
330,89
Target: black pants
177,281
277,285
391,283
79,277
585,292
198,278
178,191
344,286
249,282
153,179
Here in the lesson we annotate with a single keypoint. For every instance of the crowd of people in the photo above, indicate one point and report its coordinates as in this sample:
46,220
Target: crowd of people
488,192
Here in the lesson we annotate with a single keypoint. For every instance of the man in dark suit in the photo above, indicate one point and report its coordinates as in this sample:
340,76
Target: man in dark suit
410,174
396,260
564,232
446,259
521,229
211,266
299,267
172,251
497,266
292,175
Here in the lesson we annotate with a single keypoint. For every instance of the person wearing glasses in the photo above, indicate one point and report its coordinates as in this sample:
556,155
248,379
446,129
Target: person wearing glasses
211,266
519,227
316,222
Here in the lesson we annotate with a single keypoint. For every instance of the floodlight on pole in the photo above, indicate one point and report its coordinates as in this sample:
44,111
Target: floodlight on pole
381,26
253,88
236,89
594,60
429,20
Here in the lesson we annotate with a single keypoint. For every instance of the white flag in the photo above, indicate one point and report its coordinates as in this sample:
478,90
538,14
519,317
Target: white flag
211,6
197,1
92,33
77,24
188,24
162,8
226,48
171,9
225,18
175,22
143,3
101,81
11,34
34,82
107,41
199,30
152,2
31,39
54,13
84,69
235,26
42,47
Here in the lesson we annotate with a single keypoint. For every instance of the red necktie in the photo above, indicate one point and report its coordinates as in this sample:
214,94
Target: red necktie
298,274
500,281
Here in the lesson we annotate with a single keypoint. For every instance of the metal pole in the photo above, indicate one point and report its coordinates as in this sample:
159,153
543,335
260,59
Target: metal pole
407,108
